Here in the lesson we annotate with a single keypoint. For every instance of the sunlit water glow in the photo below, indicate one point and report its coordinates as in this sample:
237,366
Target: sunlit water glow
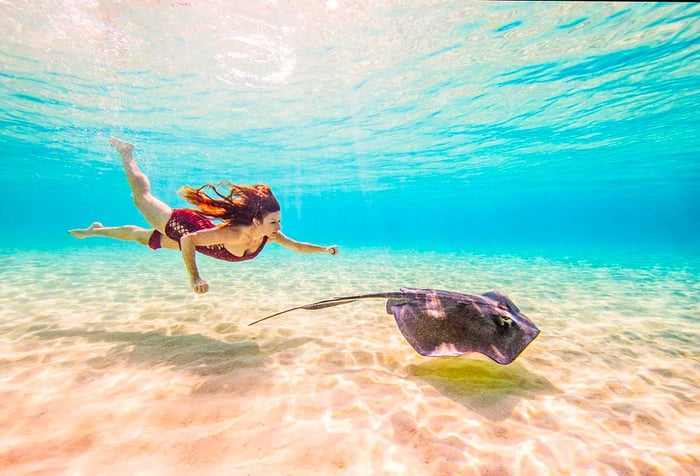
546,150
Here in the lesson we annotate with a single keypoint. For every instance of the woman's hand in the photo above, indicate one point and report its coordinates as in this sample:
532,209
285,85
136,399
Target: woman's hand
200,286
333,250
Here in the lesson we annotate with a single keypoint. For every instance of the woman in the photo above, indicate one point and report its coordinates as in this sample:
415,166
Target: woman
250,219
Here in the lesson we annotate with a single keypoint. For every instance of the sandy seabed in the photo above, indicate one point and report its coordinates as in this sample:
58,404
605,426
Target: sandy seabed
110,365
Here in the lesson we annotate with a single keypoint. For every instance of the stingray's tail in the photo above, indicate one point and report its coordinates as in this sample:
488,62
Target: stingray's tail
332,302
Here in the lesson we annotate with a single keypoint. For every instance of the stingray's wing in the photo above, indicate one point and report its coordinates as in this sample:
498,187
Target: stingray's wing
333,302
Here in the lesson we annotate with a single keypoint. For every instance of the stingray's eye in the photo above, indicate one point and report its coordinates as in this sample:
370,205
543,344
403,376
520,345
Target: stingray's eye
502,321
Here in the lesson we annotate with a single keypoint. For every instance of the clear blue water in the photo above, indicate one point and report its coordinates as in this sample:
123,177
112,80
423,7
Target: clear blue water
492,125
546,149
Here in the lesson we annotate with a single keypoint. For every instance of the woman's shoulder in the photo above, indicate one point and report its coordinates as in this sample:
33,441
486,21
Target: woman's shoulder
280,238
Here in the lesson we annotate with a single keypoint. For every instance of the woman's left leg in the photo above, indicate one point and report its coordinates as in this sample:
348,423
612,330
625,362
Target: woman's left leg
156,212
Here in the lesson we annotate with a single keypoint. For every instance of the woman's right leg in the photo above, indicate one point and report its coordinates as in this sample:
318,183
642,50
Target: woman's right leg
123,233
153,210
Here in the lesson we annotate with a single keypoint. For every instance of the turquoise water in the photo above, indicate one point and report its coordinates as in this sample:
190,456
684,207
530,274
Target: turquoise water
548,150
565,124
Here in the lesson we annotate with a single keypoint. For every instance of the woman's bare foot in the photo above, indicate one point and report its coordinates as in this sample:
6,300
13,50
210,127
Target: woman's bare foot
121,145
85,232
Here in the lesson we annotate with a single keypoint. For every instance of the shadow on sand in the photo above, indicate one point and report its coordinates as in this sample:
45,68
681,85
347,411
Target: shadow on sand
485,387
490,389
194,353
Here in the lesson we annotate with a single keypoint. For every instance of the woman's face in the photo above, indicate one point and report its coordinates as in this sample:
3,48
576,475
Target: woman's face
271,224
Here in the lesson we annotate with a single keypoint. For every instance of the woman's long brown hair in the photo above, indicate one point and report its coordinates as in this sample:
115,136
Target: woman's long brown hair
239,206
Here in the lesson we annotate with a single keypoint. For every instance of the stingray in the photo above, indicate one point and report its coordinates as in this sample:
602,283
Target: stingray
448,324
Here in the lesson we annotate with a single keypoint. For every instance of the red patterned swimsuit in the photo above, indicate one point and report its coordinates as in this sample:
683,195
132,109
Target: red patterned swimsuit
184,221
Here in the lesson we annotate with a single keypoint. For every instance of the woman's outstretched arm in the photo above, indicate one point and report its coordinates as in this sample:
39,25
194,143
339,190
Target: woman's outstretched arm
301,247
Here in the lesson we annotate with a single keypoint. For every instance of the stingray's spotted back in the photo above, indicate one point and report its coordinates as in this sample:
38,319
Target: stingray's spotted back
443,323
